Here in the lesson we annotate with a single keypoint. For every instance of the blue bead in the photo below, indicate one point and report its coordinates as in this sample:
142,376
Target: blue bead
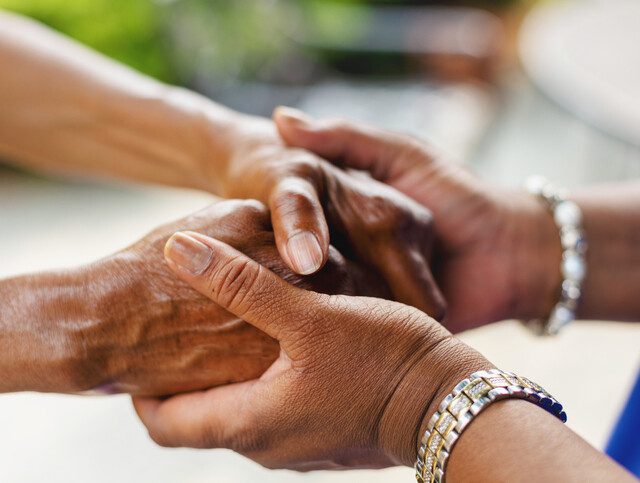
546,403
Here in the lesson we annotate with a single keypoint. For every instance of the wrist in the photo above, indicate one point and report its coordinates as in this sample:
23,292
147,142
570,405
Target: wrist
610,218
536,255
430,378
204,137
87,363
40,349
229,138
102,341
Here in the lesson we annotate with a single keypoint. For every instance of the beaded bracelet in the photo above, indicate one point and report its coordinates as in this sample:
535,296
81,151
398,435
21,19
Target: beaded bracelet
568,218
458,409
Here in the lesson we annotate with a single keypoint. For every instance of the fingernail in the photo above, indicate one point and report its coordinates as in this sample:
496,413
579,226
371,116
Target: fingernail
293,116
305,252
188,253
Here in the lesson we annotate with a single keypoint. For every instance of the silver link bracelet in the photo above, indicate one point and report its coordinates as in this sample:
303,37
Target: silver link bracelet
568,218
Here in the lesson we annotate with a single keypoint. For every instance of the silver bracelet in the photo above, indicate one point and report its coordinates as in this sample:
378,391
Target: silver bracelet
568,218
459,408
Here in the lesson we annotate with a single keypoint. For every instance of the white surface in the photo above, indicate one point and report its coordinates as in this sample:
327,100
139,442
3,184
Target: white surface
585,54
80,439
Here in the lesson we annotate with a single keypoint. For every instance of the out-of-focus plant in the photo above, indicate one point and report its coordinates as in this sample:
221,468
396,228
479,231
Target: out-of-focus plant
476,3
127,30
491,4
216,41
221,41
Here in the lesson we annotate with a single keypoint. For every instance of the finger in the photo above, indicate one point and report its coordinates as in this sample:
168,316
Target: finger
299,225
237,283
410,280
199,419
345,143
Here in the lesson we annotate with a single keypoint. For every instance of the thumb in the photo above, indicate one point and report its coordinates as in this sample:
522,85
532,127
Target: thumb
237,283
344,143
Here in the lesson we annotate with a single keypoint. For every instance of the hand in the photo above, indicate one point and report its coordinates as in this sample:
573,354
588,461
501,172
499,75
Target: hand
307,196
497,250
153,335
351,387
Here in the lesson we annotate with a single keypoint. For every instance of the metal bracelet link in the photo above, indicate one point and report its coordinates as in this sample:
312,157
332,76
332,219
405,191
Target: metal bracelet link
568,218
470,397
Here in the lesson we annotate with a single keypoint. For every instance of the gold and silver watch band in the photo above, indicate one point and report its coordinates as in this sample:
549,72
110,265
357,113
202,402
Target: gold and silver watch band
458,409
568,218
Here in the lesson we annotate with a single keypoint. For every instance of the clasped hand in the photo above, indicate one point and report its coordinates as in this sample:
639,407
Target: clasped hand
318,405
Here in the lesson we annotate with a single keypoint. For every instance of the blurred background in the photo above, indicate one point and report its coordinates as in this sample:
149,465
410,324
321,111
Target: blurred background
509,87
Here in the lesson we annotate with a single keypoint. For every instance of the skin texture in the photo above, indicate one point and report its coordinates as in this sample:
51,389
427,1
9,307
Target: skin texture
383,229
92,116
126,324
290,417
318,405
498,251
351,385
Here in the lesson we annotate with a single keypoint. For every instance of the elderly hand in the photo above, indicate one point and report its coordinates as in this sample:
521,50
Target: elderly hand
497,250
154,335
318,405
307,195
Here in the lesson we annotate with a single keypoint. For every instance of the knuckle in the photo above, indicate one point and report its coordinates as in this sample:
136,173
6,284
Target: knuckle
226,213
253,208
294,197
422,217
382,216
408,220
305,165
231,281
293,163
417,222
251,214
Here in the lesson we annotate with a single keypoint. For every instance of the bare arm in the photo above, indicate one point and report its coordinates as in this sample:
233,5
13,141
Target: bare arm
612,223
68,109
515,441
38,316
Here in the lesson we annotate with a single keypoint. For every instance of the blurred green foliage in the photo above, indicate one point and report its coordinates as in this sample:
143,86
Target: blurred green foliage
476,3
171,39
127,30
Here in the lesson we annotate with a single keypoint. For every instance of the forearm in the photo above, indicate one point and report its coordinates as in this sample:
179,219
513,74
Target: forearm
67,109
612,223
40,315
515,441
508,442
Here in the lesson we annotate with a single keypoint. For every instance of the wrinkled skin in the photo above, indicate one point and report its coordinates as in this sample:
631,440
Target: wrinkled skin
356,214
497,250
351,388
156,335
